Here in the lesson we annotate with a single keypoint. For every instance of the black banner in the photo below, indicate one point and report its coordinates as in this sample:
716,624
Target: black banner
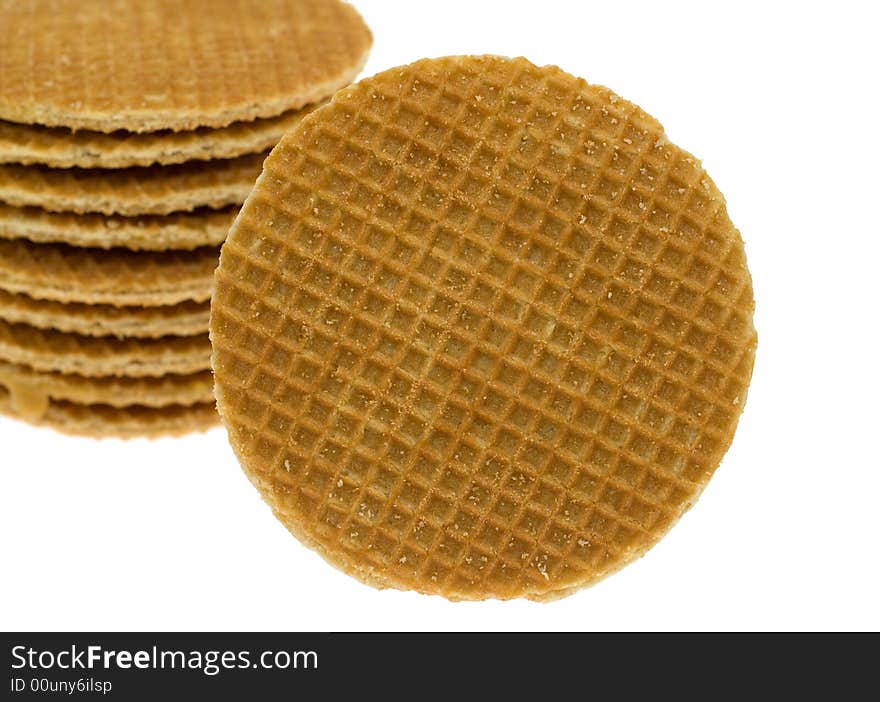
410,666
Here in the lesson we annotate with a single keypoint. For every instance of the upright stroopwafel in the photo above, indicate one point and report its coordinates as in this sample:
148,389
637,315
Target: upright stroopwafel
62,148
119,276
481,331
148,65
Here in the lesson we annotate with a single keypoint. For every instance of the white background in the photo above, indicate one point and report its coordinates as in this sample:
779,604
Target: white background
781,102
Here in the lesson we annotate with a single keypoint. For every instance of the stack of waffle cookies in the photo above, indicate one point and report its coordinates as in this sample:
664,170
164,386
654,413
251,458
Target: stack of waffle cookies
128,141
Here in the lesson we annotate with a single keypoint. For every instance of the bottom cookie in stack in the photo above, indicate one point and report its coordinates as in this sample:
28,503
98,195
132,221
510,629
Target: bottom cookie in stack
106,343
120,407
106,385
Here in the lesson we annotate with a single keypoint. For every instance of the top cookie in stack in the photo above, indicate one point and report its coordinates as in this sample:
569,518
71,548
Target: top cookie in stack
130,132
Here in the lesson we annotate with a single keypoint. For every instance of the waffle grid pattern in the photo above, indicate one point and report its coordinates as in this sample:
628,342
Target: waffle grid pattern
129,136
480,331
162,64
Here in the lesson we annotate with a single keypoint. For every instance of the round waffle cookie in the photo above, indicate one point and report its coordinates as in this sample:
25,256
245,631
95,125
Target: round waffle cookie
31,391
481,331
118,276
100,421
146,65
155,190
59,147
185,230
49,350
183,319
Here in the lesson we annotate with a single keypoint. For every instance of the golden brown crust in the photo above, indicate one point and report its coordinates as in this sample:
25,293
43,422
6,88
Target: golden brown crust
162,64
481,331
103,421
183,319
181,231
152,190
118,276
59,147
33,389
49,350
